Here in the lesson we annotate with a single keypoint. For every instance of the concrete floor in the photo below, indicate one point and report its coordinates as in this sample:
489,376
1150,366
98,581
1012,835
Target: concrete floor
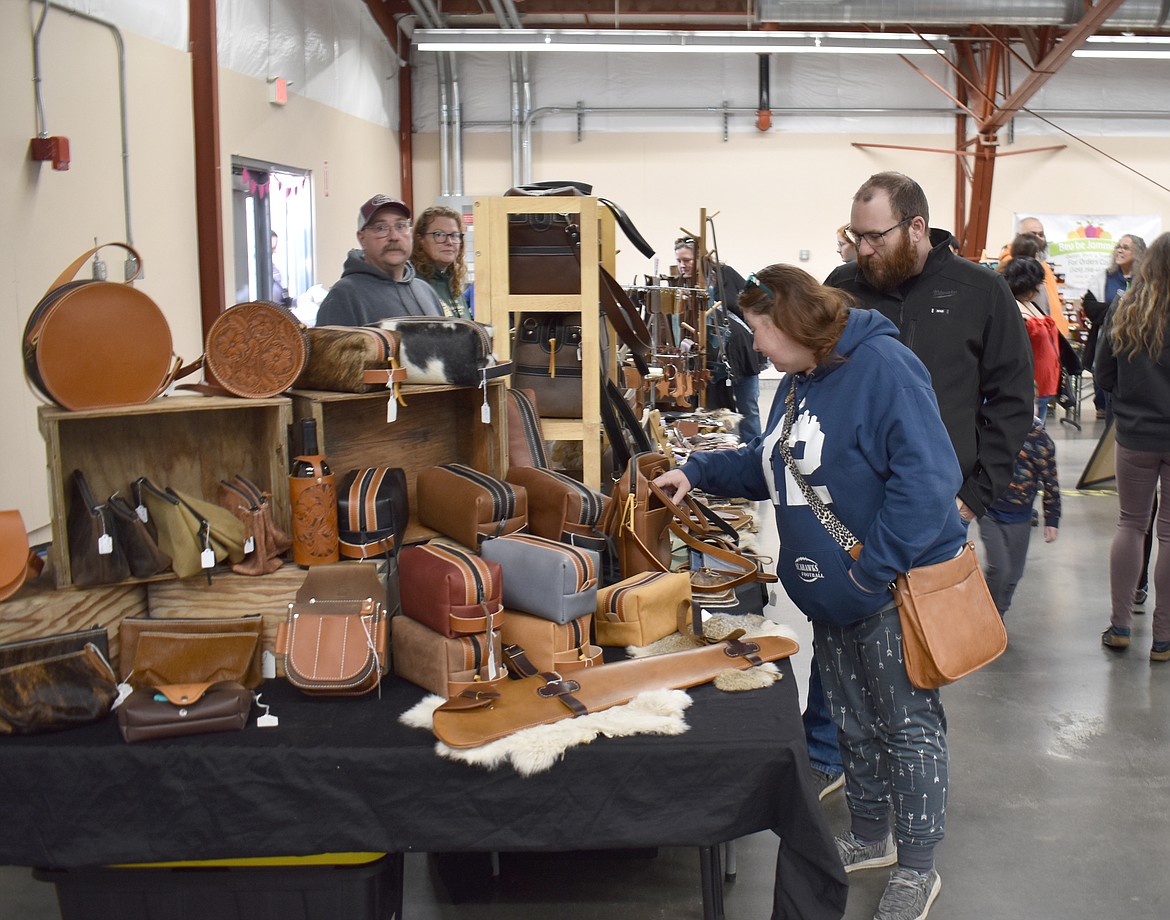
1060,753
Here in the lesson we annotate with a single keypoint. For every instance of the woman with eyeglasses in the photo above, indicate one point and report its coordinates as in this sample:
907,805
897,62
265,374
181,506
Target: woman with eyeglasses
438,258
857,416
1126,260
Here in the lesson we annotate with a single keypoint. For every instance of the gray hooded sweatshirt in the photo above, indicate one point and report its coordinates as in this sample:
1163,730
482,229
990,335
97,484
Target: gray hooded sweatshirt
365,294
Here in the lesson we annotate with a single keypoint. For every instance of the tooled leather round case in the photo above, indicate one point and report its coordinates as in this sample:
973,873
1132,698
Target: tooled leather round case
257,349
100,344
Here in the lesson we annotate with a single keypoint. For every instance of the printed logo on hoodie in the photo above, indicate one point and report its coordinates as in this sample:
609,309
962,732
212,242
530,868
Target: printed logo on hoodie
807,569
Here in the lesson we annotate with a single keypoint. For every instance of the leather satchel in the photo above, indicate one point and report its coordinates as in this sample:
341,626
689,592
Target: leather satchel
450,589
545,578
639,519
534,644
467,505
148,714
334,641
47,686
452,351
446,665
96,556
121,333
256,349
472,720
191,651
18,563
642,609
950,624
351,359
372,511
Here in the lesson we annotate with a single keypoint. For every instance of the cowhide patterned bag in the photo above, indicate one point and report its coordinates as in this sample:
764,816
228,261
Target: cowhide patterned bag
457,352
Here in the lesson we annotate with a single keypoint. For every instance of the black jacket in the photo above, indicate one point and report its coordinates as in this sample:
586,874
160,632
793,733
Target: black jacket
963,323
1141,393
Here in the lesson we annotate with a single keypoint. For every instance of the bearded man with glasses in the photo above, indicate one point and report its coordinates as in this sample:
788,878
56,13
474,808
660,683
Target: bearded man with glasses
962,322
378,280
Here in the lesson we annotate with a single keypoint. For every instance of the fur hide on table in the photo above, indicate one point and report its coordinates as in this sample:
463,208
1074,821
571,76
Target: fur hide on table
536,749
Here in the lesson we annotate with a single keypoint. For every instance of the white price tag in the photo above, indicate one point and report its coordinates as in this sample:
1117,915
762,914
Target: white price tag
267,665
143,514
267,721
207,559
105,544
124,690
485,414
249,544
391,410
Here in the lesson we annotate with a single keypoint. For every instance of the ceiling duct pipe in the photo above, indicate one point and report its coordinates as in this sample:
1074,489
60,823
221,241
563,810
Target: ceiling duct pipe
1134,14
764,113
429,17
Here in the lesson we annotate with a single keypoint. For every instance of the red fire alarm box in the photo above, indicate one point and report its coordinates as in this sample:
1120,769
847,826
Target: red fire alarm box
54,149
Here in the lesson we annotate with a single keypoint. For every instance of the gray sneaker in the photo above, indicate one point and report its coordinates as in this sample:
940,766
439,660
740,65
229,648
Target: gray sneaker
827,782
908,895
857,855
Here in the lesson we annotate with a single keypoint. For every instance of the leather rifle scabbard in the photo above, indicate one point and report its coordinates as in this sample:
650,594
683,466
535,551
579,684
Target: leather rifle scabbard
518,704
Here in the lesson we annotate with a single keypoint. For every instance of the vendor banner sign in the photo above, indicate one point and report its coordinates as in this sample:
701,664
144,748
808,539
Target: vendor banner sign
1080,246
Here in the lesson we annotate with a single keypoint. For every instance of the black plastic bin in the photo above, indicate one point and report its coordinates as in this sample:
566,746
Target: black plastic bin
357,886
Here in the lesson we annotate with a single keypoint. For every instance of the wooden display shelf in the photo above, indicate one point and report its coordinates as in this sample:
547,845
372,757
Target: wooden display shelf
497,305
438,424
186,442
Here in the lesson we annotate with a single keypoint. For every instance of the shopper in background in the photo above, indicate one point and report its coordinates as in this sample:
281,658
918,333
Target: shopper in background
378,281
1025,276
438,258
279,291
1133,366
1052,299
1127,259
744,363
1006,528
845,249
961,320
857,412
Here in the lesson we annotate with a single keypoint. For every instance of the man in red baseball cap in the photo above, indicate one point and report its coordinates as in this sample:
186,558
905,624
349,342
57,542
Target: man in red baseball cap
378,281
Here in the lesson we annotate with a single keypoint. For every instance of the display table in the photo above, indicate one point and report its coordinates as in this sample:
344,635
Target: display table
344,775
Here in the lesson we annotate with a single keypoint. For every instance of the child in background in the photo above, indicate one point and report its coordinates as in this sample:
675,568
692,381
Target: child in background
1006,528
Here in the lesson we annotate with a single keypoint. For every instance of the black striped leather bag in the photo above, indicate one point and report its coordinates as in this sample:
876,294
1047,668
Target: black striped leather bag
469,506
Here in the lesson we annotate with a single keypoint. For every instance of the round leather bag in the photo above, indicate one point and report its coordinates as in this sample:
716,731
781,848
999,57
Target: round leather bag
257,349
94,344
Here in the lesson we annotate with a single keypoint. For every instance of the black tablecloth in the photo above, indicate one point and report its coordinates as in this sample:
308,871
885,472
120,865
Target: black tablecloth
344,775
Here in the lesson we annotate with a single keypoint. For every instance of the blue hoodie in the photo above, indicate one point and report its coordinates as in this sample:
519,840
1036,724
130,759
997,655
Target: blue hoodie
869,440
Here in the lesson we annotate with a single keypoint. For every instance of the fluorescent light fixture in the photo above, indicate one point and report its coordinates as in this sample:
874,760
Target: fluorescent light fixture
1125,48
649,42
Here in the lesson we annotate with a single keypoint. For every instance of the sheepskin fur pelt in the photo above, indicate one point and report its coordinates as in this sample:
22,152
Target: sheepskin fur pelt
536,749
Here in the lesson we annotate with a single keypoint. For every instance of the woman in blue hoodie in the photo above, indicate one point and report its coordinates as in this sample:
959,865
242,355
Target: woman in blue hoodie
867,437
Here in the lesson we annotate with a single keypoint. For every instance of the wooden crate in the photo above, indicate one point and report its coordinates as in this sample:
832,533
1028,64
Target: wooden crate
39,610
438,424
187,442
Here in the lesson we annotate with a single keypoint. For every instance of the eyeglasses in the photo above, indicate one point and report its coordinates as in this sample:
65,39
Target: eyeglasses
875,238
441,236
754,282
402,227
